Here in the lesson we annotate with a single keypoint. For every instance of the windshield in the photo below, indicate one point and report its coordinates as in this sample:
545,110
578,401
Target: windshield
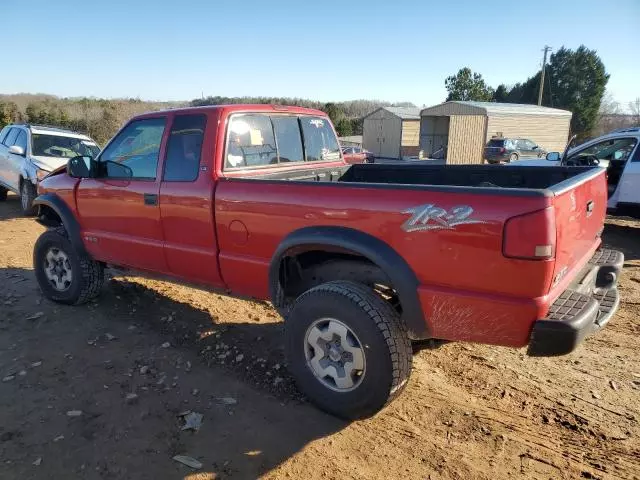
62,147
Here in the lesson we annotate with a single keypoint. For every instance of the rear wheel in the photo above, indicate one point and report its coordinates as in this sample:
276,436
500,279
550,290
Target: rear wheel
513,157
27,196
347,348
3,194
64,275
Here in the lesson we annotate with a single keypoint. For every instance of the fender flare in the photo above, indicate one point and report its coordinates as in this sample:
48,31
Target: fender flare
348,240
69,221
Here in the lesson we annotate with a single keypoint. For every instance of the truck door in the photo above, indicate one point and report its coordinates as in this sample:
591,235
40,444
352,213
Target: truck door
119,211
629,184
186,201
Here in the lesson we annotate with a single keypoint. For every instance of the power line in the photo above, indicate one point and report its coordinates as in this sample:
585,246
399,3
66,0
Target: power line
544,64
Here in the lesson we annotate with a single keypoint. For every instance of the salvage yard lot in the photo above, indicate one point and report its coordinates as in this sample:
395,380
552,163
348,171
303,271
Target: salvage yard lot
147,350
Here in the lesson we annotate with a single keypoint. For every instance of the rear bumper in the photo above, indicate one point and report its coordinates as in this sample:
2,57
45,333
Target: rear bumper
583,308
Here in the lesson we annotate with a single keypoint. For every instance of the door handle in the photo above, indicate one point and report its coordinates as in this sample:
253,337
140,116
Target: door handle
150,199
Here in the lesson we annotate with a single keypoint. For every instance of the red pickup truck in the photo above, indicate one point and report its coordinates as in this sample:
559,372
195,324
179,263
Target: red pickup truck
360,260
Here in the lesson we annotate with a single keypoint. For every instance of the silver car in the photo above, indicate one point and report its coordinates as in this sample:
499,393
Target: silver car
29,152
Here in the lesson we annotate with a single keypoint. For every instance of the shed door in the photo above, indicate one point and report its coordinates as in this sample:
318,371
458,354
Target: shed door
466,139
379,136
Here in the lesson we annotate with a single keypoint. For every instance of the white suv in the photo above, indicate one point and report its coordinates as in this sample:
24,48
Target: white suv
619,153
29,152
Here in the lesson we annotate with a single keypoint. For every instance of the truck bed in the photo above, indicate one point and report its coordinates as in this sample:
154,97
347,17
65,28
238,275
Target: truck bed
479,176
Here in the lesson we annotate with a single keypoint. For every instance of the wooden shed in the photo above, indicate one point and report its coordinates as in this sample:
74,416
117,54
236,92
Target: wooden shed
392,132
465,127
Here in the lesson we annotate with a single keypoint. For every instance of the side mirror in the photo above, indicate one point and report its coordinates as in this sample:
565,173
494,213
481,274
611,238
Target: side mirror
81,166
17,149
553,156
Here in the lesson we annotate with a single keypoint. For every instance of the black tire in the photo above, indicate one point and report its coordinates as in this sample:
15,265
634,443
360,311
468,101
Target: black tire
378,327
87,274
3,194
513,157
27,196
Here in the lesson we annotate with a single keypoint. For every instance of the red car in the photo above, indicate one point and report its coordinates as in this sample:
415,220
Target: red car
356,155
360,260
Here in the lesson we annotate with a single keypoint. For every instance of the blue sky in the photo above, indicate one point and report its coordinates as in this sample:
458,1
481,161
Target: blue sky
324,50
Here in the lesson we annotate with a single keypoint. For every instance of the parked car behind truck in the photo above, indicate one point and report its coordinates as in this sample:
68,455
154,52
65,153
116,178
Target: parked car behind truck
505,150
29,152
360,260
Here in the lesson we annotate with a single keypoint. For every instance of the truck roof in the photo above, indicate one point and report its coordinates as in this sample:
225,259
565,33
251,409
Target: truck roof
240,107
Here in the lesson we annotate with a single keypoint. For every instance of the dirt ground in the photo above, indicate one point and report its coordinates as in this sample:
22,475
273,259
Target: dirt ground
469,411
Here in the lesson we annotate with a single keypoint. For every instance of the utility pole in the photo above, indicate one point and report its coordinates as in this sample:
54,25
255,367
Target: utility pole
544,64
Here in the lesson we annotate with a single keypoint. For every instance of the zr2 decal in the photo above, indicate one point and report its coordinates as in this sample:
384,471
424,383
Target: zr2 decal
431,217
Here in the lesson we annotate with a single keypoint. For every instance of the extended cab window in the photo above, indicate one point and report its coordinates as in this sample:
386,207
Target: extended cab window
134,152
287,130
320,142
251,142
184,148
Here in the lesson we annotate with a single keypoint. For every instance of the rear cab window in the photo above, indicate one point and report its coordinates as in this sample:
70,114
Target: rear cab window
320,143
250,142
259,140
494,142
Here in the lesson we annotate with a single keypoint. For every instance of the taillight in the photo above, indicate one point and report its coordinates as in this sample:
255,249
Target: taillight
502,150
531,236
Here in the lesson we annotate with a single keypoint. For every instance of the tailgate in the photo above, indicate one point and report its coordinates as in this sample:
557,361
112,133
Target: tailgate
580,209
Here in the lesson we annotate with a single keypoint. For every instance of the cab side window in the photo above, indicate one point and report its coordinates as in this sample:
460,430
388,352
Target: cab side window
184,148
134,152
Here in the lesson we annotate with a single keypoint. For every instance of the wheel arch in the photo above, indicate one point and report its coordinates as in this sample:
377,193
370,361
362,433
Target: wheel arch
53,211
346,241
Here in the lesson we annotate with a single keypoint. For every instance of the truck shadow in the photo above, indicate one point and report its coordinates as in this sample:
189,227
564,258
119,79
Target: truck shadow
624,237
270,422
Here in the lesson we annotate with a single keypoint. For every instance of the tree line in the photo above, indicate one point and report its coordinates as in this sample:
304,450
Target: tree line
574,80
101,118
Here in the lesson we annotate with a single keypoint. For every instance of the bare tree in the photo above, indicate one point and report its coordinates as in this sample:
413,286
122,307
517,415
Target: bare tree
634,108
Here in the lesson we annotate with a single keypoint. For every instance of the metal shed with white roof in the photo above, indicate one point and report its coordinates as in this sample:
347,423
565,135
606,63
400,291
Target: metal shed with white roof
465,127
392,132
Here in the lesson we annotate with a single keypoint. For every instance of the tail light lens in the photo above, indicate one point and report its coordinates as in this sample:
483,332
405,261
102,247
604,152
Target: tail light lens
502,150
531,236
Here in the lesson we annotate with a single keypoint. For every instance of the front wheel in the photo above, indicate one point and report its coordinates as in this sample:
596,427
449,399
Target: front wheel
27,196
64,275
347,349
